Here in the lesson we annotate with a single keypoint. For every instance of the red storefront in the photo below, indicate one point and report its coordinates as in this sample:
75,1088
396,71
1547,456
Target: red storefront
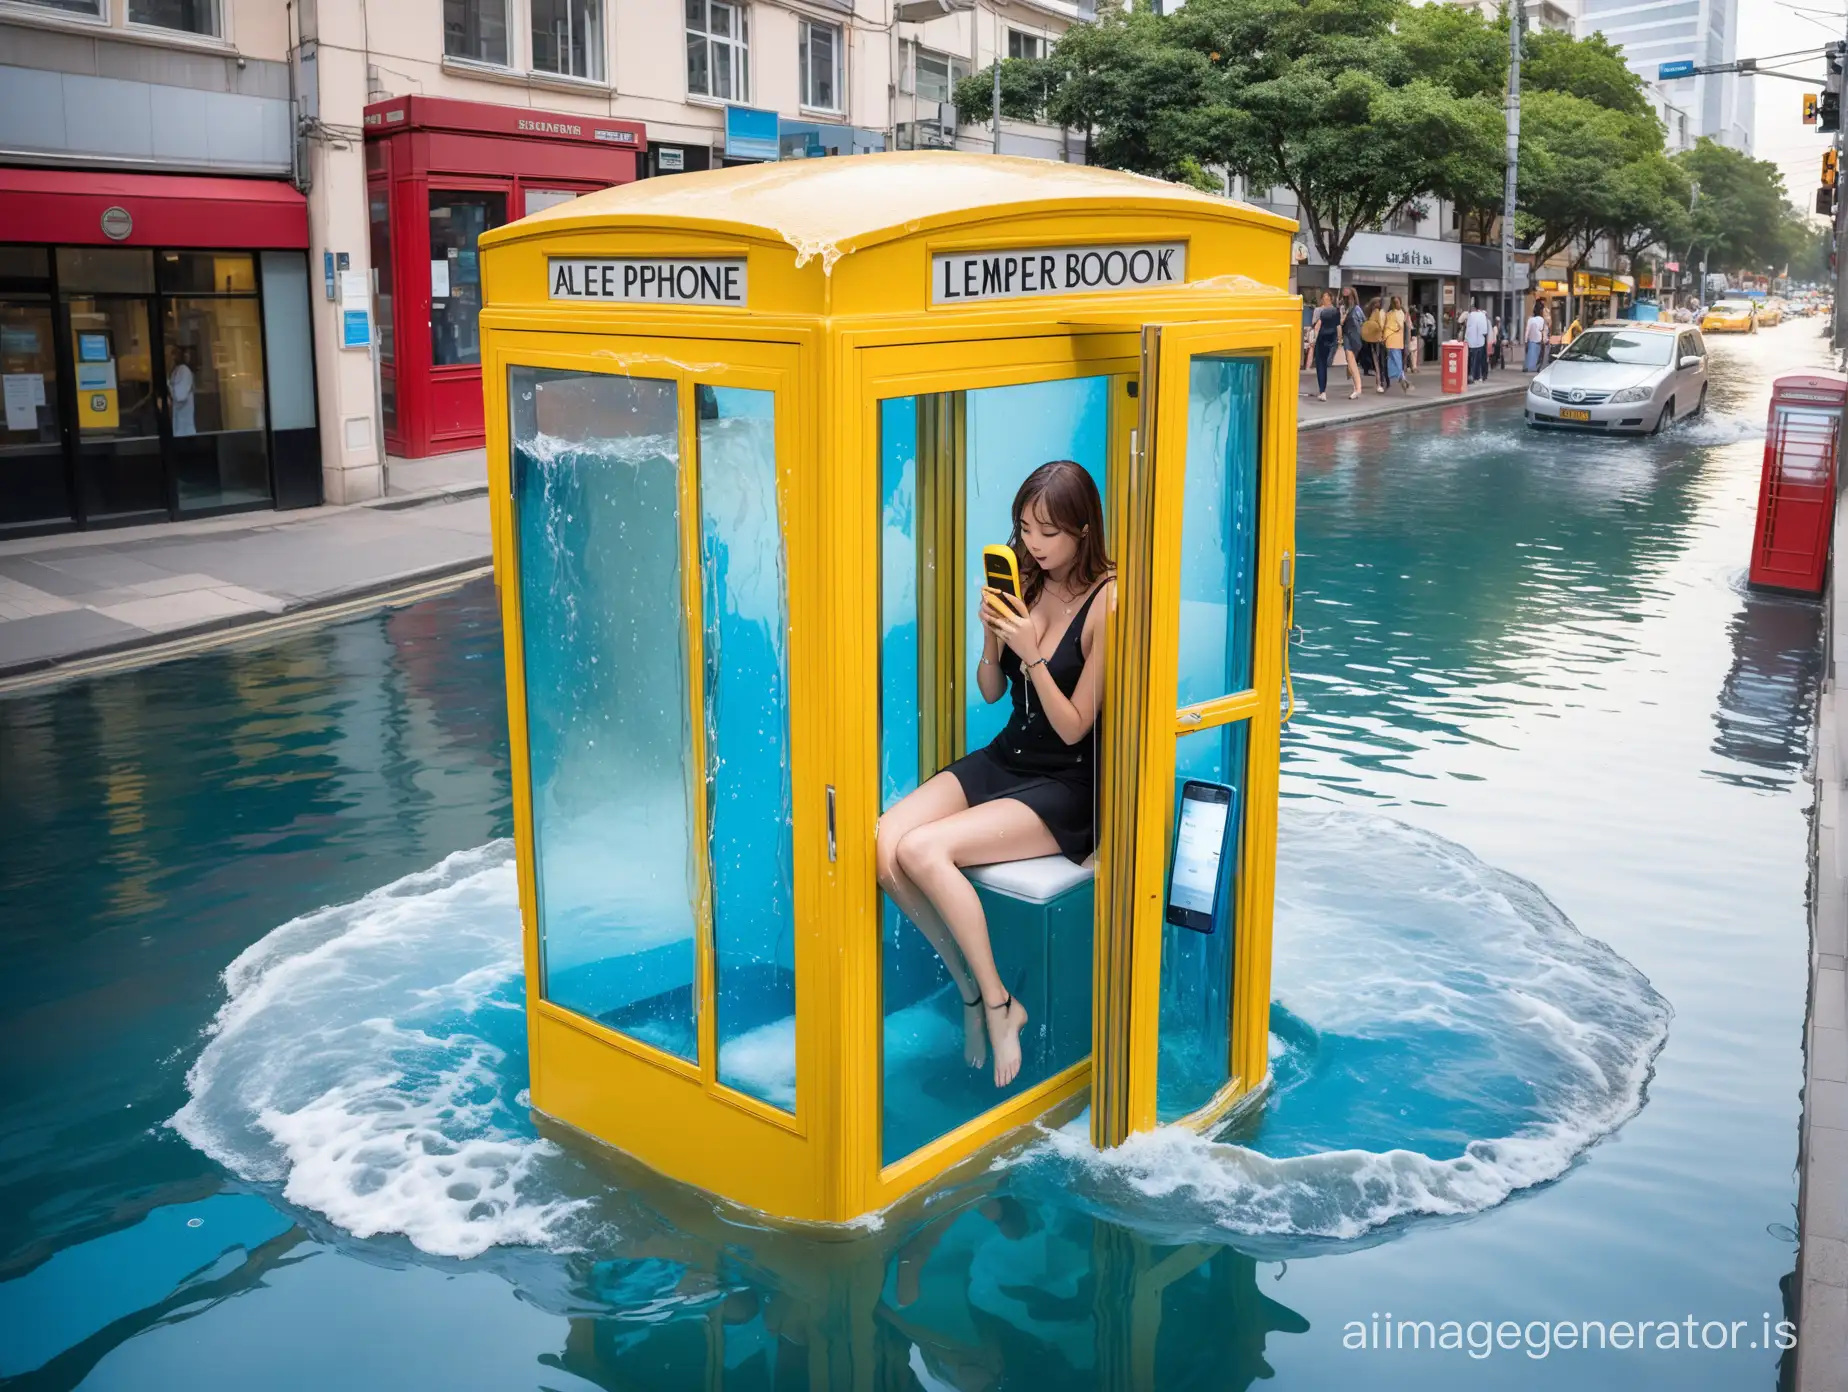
439,174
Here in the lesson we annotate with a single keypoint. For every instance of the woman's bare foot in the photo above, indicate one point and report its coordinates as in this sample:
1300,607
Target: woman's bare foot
1005,1021
975,1034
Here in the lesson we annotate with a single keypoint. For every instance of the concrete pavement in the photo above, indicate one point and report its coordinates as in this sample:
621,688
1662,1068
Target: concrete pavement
81,601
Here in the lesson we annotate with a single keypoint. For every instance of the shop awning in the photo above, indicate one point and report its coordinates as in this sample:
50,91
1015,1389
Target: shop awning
91,208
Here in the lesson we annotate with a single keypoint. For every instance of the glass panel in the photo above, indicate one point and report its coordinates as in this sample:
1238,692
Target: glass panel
214,376
33,487
378,219
188,16
118,430
1011,432
596,488
207,272
1219,527
92,8
476,29
457,221
568,37
24,267
746,654
1042,945
105,270
1195,1049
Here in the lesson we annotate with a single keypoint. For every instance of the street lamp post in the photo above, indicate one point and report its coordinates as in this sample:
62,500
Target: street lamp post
1517,22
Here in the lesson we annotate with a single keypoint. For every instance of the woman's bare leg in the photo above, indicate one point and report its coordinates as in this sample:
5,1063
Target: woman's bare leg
941,796
933,855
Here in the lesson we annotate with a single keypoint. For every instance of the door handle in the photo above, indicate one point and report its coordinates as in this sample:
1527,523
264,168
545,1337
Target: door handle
1286,576
832,847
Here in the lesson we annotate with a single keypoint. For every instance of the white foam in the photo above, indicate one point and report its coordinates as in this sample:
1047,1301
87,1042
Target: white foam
1388,933
350,1064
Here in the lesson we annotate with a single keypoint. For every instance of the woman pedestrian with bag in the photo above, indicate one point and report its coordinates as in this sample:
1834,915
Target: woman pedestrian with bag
1327,339
1399,332
1373,334
1351,341
1535,337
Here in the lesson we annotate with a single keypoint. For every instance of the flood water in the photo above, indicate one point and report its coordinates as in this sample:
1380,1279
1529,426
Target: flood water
1541,964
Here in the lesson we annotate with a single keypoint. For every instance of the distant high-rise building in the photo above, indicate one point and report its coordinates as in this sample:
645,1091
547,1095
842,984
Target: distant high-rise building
1654,32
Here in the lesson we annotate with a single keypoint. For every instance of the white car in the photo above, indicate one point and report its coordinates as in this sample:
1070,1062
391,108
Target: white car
1629,378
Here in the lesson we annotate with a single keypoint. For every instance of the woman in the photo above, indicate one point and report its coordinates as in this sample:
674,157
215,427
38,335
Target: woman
1351,342
1376,332
1398,336
1495,343
1327,339
1029,792
1535,337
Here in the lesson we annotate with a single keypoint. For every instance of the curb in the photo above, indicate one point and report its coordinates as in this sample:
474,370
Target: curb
182,642
1405,407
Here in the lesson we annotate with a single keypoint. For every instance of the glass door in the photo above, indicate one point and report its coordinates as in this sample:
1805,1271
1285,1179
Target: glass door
108,304
1192,733
212,382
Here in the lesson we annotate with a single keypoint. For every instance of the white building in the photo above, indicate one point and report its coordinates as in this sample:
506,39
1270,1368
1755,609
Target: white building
1654,32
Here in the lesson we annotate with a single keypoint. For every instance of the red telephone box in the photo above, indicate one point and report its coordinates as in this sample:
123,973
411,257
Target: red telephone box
1796,493
439,173
1456,367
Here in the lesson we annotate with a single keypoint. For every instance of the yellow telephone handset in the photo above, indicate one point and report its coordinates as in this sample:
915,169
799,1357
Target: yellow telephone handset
1001,570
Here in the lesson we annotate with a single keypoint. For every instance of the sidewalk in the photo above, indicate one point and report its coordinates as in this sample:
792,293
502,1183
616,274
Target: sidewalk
72,602
80,595
1427,390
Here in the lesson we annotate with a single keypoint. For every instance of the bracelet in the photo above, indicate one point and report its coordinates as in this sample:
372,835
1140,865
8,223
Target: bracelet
1029,666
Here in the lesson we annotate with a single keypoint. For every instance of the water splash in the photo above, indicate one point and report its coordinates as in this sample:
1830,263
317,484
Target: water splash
1444,1039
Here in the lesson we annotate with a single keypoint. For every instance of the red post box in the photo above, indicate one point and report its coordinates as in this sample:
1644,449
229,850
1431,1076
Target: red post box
1456,366
1796,492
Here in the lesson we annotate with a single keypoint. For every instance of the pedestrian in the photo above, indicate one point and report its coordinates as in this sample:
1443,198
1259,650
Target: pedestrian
1373,333
1495,343
1476,336
1351,341
1535,337
1327,339
1399,336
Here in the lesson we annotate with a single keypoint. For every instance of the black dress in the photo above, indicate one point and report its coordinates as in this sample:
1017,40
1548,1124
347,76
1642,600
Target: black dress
1030,763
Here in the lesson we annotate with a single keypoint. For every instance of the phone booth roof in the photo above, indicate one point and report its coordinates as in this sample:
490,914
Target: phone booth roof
871,235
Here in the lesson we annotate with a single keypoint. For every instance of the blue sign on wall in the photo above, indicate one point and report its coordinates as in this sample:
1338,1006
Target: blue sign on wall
750,133
1668,72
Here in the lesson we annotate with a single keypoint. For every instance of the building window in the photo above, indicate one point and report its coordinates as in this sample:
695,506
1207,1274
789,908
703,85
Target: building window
188,16
476,30
568,38
934,75
89,9
820,61
718,50
1021,45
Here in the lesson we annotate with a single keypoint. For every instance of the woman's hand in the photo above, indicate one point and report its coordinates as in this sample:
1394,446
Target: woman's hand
1006,617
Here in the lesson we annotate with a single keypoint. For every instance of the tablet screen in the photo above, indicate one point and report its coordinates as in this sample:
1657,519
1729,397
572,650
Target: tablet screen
1197,847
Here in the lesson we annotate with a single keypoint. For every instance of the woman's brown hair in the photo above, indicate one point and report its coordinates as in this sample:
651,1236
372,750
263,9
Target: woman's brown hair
1068,496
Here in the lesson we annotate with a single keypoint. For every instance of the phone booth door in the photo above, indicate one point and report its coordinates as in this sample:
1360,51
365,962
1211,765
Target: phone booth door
1192,735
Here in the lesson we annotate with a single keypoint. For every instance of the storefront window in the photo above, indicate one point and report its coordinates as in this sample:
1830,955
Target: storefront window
568,38
457,221
31,453
214,394
819,53
476,29
208,273
718,50
188,16
109,270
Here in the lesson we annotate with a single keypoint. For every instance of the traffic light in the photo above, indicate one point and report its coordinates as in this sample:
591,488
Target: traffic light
1809,108
1829,113
1825,202
1828,168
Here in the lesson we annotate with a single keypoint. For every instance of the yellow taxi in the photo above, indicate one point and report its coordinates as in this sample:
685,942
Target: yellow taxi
1771,312
1730,316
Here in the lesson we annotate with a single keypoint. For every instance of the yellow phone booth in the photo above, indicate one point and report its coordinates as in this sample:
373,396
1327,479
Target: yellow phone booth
750,431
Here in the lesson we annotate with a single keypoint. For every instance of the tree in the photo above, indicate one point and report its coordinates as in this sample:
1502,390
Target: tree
1739,217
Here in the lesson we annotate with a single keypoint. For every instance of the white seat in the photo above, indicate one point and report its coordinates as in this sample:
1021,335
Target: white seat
1036,881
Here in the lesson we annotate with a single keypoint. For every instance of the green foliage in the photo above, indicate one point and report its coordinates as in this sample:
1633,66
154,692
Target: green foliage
1591,68
1026,86
1739,220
